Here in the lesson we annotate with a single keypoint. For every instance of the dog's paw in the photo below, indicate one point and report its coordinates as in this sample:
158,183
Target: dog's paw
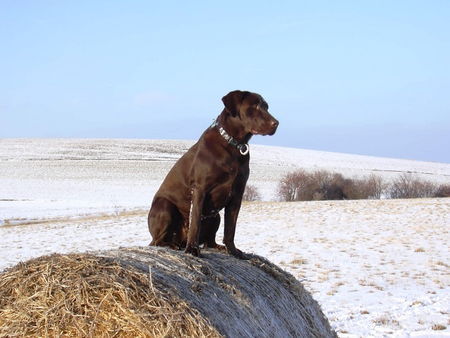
221,248
238,254
216,246
193,250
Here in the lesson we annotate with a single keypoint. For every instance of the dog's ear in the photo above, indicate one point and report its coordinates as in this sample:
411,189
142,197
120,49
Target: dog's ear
233,101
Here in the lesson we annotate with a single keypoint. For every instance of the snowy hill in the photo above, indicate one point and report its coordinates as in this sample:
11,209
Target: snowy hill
62,177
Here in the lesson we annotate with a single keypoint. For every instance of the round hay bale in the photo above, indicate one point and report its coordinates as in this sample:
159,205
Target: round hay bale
156,292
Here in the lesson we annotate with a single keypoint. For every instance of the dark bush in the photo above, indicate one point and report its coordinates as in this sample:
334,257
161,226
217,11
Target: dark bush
251,193
328,185
443,191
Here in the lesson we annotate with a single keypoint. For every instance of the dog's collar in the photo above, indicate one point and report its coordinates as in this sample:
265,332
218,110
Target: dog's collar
242,147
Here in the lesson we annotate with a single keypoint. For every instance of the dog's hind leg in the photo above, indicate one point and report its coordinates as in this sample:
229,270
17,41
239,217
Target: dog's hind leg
164,223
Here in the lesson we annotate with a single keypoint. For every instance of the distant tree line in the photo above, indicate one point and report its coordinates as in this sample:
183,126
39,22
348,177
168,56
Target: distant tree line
301,185
325,185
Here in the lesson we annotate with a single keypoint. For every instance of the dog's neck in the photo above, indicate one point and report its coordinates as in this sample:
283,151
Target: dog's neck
234,128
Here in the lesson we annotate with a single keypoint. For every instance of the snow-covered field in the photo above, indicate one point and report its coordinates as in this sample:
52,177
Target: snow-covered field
378,268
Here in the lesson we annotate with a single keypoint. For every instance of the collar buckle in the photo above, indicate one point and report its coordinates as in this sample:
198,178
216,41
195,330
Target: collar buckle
243,148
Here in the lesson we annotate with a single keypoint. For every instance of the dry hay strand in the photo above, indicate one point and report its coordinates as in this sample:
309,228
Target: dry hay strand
156,292
82,295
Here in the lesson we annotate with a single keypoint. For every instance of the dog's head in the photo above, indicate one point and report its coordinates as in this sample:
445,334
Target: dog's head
252,110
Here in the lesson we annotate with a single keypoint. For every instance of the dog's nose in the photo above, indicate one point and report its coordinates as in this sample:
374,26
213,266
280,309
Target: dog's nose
274,123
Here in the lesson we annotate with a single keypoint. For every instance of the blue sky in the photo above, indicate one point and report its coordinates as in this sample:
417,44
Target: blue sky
364,77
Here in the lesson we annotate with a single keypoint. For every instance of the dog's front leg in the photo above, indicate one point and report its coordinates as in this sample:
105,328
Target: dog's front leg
231,215
195,215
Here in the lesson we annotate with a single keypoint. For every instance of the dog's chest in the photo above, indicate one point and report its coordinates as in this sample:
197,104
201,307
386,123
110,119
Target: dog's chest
222,190
218,197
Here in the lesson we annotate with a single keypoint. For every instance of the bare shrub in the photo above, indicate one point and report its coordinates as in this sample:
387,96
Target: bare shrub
409,186
371,187
443,191
293,186
251,193
374,186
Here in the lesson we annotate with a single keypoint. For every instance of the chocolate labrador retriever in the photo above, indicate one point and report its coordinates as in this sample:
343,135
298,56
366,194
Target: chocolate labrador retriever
210,176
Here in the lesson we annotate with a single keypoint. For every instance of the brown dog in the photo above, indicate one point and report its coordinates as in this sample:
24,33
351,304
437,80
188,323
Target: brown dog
210,176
